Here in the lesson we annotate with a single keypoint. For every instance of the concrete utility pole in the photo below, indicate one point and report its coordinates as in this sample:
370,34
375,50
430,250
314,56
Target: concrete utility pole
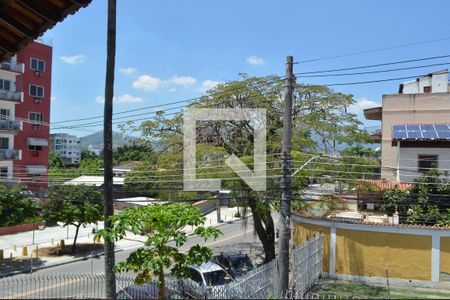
286,182
110,285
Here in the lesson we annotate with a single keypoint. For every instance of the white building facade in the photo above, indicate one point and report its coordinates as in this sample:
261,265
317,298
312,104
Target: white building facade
9,125
68,147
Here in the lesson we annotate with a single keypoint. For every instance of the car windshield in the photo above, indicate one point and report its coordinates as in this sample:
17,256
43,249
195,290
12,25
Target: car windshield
215,278
240,263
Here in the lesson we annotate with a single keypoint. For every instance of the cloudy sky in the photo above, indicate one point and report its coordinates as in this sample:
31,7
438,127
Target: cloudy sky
173,50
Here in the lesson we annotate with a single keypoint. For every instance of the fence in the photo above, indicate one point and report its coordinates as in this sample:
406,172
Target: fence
46,286
260,283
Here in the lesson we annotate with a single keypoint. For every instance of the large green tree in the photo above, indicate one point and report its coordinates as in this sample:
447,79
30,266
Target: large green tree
16,206
320,121
161,225
77,205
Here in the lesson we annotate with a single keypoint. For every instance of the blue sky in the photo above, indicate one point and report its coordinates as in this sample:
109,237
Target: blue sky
173,50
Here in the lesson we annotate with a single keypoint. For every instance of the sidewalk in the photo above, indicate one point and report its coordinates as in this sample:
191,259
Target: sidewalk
43,238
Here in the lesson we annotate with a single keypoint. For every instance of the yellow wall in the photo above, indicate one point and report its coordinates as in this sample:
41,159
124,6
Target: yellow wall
368,253
445,258
304,232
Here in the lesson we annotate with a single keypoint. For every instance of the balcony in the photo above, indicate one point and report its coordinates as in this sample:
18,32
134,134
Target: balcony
374,113
10,154
11,96
375,132
13,67
10,125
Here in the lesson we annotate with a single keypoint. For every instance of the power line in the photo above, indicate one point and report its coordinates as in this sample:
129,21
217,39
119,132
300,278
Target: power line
372,50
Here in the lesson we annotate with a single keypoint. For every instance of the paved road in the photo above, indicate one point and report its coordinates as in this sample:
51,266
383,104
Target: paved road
235,238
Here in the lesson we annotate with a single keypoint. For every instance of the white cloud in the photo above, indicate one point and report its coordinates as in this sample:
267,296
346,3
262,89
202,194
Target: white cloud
126,98
53,98
129,99
73,59
128,71
361,105
208,84
147,83
172,90
254,60
183,80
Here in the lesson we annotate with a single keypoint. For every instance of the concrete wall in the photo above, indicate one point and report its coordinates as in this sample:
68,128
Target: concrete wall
364,252
408,109
438,82
408,161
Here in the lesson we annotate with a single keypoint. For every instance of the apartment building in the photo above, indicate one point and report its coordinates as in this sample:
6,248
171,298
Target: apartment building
415,128
68,147
25,91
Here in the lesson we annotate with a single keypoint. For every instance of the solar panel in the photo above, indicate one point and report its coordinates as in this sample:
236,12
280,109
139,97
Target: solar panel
414,134
427,127
399,127
444,134
413,127
441,127
429,134
421,131
399,135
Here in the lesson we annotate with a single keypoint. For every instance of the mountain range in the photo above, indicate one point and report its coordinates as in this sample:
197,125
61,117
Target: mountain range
96,140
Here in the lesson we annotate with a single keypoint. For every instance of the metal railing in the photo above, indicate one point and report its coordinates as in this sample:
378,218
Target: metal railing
11,96
14,67
10,125
10,154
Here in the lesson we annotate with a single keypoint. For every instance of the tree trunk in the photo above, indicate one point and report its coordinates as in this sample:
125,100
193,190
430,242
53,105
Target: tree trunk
265,230
162,283
110,284
76,236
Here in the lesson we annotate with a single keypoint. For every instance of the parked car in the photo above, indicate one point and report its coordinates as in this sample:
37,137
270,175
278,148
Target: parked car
203,277
235,263
145,291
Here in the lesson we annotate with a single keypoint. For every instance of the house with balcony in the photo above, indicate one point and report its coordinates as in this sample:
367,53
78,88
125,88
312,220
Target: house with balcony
415,128
25,83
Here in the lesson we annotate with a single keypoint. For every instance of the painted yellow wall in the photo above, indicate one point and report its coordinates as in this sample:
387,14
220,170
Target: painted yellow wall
368,253
445,258
304,232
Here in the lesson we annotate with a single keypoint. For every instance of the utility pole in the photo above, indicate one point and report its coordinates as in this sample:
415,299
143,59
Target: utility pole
286,181
110,284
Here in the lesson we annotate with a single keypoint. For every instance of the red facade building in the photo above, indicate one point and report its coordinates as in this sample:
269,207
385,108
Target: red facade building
25,110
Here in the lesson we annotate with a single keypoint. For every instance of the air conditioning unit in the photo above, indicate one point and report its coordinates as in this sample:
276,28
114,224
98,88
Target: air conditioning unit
38,73
36,126
37,100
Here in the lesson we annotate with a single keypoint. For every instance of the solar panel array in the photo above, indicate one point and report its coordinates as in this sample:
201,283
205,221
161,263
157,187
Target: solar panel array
421,131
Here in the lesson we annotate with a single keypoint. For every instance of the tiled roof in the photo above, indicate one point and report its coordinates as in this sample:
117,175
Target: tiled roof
386,184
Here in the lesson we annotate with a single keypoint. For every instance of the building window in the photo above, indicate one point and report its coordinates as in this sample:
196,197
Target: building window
427,89
4,114
4,143
5,85
426,162
37,65
4,172
34,148
36,91
36,117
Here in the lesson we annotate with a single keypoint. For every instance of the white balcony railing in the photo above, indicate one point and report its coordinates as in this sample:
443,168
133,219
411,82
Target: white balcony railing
13,67
10,154
11,96
10,125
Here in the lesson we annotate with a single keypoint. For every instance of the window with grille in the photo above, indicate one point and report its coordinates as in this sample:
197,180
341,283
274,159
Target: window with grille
36,117
427,162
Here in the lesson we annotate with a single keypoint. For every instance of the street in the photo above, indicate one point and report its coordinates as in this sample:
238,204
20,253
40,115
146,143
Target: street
235,238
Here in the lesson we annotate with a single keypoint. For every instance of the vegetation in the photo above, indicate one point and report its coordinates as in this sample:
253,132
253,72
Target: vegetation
16,206
321,123
77,205
425,203
160,225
